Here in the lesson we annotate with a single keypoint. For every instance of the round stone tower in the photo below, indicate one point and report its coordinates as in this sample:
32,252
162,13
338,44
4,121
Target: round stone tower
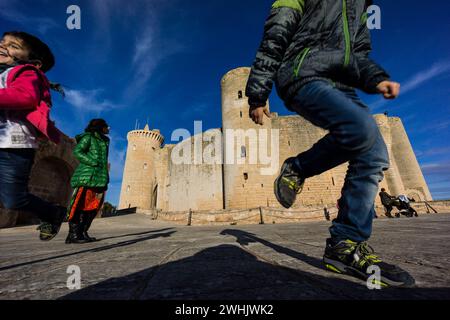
244,184
139,177
408,165
393,181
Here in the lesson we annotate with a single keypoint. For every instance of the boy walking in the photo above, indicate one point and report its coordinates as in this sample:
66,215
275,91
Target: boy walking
317,52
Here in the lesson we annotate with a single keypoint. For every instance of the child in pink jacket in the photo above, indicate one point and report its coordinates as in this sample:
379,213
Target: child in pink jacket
25,103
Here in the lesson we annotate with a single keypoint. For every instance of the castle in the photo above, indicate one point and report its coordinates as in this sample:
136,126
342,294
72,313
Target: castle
153,181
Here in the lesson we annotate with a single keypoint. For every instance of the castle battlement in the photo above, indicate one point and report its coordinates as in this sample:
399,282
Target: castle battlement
147,133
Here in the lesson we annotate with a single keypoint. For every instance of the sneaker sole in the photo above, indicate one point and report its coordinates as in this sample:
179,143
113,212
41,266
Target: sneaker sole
340,268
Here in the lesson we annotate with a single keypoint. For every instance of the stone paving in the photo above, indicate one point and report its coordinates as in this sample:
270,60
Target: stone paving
137,258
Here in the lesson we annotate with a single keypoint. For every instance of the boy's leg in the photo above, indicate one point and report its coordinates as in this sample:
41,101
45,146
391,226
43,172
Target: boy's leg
356,207
15,170
353,136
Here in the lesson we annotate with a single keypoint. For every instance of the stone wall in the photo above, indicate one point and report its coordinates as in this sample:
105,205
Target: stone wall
269,215
193,186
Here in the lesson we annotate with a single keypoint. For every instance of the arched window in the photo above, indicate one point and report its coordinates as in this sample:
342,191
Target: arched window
145,166
243,152
245,176
240,96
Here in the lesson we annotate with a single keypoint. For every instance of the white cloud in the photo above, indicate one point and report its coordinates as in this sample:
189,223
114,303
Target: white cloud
439,169
435,152
425,76
148,43
89,101
418,79
10,11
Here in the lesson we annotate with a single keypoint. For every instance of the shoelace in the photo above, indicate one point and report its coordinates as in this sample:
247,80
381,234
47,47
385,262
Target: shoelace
293,185
365,254
46,229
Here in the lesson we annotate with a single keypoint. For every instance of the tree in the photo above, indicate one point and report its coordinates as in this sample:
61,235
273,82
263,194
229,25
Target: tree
108,210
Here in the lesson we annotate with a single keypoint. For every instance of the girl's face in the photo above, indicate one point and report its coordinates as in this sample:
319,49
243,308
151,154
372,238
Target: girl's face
12,49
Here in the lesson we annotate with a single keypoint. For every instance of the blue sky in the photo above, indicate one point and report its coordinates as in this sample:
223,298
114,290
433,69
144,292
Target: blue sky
163,61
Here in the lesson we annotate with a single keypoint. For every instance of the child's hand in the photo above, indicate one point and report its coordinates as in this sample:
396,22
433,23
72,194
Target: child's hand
257,114
389,89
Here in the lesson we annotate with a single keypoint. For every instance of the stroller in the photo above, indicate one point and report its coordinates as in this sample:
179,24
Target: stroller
405,208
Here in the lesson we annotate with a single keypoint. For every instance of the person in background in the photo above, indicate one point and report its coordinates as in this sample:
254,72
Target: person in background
90,180
389,202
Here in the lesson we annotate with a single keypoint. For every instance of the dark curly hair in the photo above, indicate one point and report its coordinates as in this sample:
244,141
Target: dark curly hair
38,49
96,125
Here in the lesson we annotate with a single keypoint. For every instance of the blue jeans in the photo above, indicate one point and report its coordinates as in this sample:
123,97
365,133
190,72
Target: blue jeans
353,137
15,170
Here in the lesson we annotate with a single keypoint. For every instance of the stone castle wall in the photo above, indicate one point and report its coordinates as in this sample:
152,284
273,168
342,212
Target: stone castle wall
196,186
241,186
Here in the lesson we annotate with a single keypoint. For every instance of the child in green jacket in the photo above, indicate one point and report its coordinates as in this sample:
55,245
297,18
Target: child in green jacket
90,180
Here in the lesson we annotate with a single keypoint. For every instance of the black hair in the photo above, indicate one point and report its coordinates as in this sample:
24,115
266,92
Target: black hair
38,49
96,125
383,189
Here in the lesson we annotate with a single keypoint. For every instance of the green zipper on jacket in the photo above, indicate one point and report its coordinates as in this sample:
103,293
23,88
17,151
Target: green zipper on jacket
346,33
299,61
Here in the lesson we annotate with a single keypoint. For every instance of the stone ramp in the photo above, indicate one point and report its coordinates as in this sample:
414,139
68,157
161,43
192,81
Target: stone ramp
138,258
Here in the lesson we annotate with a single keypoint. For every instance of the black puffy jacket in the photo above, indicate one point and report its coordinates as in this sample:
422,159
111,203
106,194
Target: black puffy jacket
306,40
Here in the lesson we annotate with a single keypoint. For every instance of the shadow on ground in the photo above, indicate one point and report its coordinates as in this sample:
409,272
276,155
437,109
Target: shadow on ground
228,272
245,238
153,235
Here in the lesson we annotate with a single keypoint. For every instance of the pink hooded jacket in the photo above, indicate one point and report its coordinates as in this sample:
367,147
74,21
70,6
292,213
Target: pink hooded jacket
28,91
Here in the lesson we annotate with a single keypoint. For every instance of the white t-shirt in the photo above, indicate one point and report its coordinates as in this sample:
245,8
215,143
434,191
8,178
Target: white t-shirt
15,133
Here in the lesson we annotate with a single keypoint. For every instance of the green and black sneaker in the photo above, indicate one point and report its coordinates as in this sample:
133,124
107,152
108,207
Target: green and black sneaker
355,259
289,184
49,230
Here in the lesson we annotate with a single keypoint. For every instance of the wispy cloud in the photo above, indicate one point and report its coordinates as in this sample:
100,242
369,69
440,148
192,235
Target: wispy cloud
149,44
89,101
438,177
10,11
434,152
438,169
419,79
436,127
425,76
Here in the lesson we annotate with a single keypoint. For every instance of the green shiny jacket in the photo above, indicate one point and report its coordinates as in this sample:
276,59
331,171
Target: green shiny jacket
92,151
